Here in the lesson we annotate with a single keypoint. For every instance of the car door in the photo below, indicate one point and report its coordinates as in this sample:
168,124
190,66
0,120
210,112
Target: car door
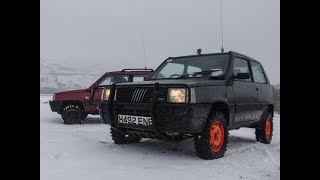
245,92
265,95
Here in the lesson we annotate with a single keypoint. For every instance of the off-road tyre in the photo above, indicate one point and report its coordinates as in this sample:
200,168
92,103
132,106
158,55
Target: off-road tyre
212,142
264,130
122,138
73,114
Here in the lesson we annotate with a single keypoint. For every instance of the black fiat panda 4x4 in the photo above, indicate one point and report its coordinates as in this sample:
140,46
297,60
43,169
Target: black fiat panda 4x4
199,96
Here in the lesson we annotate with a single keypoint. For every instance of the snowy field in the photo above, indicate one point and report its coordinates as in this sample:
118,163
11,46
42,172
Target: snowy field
87,152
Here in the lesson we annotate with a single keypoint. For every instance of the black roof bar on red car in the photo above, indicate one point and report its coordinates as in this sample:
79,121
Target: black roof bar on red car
137,69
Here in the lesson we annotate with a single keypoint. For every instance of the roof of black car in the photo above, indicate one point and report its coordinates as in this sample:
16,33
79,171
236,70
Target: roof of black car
196,55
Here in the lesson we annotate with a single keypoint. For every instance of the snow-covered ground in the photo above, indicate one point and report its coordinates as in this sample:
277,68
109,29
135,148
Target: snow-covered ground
87,152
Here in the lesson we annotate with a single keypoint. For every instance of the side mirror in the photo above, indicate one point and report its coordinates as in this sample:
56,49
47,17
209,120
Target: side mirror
243,76
145,78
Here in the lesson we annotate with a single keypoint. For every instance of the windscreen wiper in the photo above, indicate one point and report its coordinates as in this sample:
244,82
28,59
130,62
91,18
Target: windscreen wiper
205,72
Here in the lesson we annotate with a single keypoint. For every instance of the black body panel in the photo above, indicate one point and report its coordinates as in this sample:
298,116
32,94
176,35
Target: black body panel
245,102
182,118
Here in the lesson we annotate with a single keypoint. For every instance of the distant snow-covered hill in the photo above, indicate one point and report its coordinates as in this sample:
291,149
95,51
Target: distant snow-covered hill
56,77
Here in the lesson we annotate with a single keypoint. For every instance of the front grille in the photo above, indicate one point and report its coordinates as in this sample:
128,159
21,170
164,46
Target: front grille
139,94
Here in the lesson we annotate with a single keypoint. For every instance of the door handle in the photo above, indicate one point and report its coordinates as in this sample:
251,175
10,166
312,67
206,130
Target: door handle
257,89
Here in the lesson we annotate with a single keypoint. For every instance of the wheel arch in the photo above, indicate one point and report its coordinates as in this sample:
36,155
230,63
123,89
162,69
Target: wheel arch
71,102
219,106
270,108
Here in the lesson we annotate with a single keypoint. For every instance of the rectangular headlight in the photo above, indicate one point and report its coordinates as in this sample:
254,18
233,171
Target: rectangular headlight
177,95
105,94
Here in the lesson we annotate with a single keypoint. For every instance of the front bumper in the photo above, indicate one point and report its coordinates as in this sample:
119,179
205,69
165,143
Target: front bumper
166,117
55,106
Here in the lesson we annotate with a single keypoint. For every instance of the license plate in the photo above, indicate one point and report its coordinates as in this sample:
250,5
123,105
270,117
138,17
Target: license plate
137,120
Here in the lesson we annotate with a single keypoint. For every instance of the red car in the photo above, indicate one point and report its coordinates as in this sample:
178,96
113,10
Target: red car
75,105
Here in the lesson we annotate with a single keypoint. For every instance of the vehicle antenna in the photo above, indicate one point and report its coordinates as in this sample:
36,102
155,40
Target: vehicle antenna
222,49
144,52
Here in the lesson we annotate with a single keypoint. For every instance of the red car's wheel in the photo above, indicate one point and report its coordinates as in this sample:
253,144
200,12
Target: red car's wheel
72,114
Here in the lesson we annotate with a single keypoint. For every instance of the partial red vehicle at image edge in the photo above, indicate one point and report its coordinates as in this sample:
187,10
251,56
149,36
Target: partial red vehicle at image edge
75,105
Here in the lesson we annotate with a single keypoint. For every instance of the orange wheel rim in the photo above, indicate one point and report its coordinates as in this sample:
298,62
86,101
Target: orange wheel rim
268,128
216,136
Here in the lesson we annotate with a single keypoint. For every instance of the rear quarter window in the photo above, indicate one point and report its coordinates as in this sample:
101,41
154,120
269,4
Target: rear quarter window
257,72
241,66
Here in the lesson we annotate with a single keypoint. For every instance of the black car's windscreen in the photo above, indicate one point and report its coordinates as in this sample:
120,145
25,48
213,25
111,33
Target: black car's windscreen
216,65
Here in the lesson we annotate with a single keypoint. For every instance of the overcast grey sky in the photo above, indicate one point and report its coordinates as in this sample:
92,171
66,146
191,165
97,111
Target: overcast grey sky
108,32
